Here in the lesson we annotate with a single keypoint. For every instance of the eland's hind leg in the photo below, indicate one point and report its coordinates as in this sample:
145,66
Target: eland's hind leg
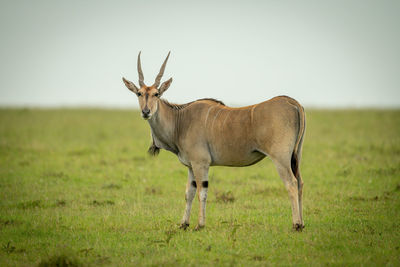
292,185
300,188
297,173
300,183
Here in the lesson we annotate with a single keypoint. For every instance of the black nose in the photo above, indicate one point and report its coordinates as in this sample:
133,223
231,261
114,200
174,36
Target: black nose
146,112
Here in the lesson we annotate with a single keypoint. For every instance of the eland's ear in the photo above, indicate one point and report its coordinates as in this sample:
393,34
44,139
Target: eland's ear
130,85
164,86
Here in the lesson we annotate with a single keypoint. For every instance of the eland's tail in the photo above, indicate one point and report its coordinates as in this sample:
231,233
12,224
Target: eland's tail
296,156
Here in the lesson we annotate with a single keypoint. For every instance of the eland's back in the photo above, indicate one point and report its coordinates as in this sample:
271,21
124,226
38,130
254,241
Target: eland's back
239,136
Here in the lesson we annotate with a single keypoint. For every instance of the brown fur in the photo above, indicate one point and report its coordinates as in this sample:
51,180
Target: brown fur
206,133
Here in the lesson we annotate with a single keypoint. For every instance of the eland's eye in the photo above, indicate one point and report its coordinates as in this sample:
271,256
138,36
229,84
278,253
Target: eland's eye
139,94
156,94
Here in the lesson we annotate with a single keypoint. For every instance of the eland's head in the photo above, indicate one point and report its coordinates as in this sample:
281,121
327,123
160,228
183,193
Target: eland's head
149,95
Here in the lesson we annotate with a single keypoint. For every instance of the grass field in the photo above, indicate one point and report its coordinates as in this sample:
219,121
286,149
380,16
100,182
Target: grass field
76,186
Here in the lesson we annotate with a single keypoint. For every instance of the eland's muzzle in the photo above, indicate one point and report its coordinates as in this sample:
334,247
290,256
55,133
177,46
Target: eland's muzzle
146,113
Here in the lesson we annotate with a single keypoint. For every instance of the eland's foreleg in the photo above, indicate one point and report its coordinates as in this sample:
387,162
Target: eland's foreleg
201,176
189,196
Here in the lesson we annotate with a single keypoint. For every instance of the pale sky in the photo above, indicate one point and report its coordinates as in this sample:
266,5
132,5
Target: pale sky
322,53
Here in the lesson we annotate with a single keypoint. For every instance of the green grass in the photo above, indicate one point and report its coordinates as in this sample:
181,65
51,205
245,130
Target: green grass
77,187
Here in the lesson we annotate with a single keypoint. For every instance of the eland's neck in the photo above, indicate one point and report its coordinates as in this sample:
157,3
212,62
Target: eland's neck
163,126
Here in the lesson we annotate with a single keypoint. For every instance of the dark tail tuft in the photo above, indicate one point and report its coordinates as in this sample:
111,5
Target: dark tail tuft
295,165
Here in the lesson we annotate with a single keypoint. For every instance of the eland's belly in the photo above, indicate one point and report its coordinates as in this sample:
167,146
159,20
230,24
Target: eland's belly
235,158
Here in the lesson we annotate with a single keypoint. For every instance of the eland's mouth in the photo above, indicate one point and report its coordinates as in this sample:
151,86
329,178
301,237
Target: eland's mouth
146,117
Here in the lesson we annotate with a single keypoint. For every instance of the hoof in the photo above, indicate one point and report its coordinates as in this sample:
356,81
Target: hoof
298,227
184,226
199,227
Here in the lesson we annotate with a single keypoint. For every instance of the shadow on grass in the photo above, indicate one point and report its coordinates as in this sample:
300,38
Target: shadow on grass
61,260
97,203
9,248
112,186
31,204
224,197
